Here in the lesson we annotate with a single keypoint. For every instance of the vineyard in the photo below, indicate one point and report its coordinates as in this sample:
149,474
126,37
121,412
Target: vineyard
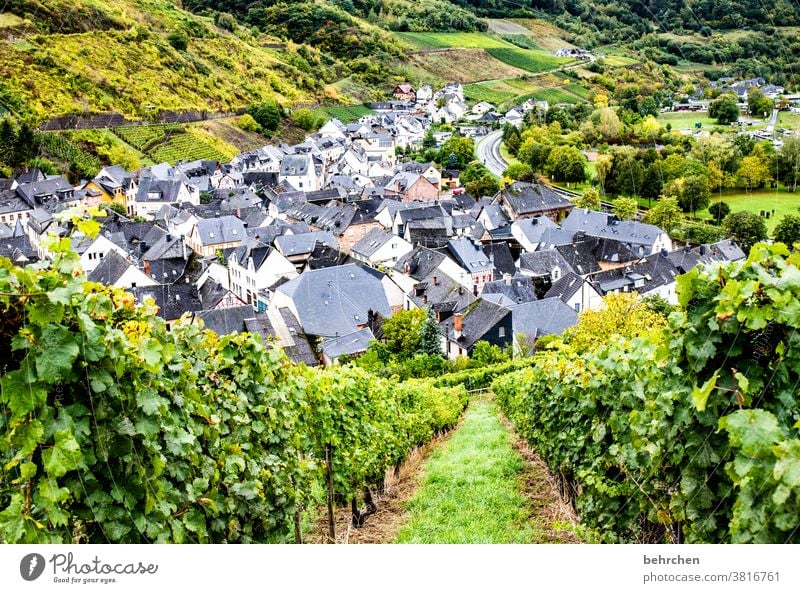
99,444
63,149
172,143
526,59
344,113
688,434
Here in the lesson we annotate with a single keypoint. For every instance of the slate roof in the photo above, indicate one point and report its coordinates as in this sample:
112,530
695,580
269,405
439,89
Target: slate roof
542,317
173,300
225,229
533,198
162,190
655,271
166,271
354,343
110,269
444,295
251,248
516,289
601,224
335,301
542,263
565,287
481,317
304,243
51,186
500,256
372,242
295,165
534,228
470,256
325,256
18,249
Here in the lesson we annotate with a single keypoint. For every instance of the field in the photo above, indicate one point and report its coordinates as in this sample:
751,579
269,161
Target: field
445,40
505,92
788,120
465,65
526,59
779,200
227,130
546,35
483,92
173,143
681,120
552,95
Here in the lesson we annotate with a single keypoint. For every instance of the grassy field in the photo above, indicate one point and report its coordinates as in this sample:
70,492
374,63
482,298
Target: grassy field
344,113
465,65
527,59
227,130
552,95
779,200
788,120
546,34
482,92
470,489
681,120
444,40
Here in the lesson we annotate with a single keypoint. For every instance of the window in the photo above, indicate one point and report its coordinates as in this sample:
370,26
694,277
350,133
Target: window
501,332
577,307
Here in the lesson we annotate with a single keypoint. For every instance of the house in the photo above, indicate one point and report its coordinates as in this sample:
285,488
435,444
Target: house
431,279
404,92
413,187
514,116
531,233
275,326
116,270
172,300
474,261
254,266
380,247
48,193
483,321
424,94
588,255
642,239
299,172
298,247
482,107
526,200
153,194
545,267
335,301
93,251
511,290
576,292
450,179
352,344
652,276
548,316
12,206
428,170
215,234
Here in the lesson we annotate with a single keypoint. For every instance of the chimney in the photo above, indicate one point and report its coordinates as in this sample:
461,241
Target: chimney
664,252
507,279
425,299
458,326
436,281
407,268
183,247
147,267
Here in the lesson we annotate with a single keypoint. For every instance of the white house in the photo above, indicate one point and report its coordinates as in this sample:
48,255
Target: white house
298,170
380,247
255,267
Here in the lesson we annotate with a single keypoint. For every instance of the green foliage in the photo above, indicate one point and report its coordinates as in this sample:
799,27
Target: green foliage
698,233
486,185
694,194
719,210
462,148
518,171
485,354
525,59
788,230
747,227
590,199
267,115
178,39
625,208
113,429
305,119
724,109
172,143
632,426
666,214
248,123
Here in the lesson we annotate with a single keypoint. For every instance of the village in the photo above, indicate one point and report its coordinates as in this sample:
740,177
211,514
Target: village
314,245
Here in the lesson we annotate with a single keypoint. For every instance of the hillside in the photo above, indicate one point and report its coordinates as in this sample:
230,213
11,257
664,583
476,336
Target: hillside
136,56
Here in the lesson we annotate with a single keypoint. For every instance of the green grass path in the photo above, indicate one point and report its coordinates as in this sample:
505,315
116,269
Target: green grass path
470,488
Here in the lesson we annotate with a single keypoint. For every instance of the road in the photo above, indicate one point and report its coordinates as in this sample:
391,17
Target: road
772,121
488,150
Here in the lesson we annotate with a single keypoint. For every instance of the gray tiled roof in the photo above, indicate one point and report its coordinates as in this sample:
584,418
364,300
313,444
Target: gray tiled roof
295,165
565,287
372,241
517,289
531,198
110,269
542,263
470,256
481,316
354,343
304,243
546,316
601,224
225,229
335,301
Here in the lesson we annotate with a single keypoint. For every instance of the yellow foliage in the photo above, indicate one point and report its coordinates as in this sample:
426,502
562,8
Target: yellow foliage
623,314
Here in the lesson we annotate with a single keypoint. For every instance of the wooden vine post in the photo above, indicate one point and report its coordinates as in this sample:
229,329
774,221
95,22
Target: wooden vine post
329,475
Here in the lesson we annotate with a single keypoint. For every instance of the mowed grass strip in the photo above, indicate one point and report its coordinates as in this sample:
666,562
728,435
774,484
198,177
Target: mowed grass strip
470,489
527,59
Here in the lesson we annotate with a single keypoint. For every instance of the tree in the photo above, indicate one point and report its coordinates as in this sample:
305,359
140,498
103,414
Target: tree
788,230
267,115
624,314
248,124
429,141
695,194
758,104
304,119
402,332
534,154
719,210
725,109
753,172
603,166
648,107
516,171
789,162
178,39
566,163
652,181
463,149
487,185
589,200
609,127
625,208
484,354
429,342
666,214
747,227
